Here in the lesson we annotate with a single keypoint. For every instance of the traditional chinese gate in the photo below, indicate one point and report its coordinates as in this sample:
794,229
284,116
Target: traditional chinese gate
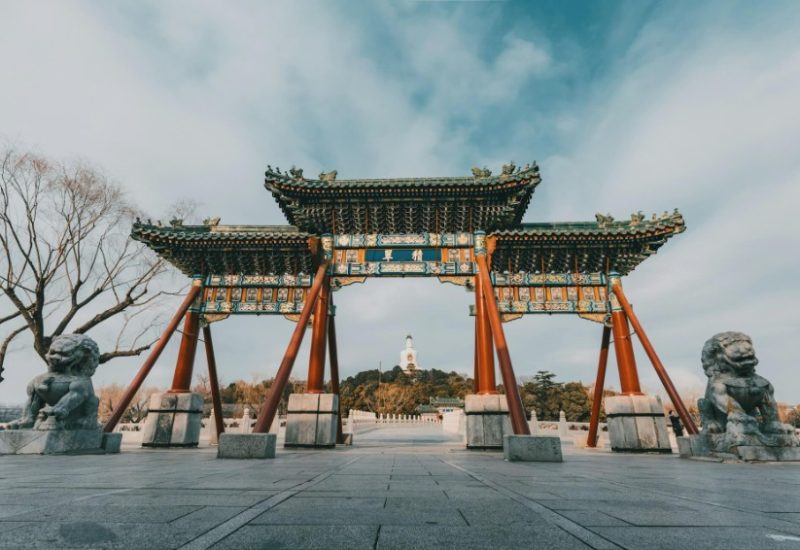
461,230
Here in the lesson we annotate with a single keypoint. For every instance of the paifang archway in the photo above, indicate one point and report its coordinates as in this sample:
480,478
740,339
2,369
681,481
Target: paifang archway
461,230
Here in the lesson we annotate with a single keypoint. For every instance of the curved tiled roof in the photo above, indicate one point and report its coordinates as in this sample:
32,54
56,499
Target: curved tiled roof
404,205
601,246
205,249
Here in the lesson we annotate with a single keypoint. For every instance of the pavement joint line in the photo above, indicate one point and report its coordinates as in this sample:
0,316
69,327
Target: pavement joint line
377,537
216,534
576,530
678,498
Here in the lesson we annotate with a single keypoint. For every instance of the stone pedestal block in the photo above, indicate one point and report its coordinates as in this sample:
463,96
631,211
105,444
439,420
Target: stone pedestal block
232,445
173,420
487,421
532,448
715,446
52,442
111,443
311,420
636,424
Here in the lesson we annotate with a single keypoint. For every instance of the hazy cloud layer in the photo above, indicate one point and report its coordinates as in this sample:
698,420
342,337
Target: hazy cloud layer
634,107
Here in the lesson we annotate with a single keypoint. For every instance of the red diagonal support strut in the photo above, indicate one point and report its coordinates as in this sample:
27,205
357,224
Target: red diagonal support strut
270,407
216,401
518,420
591,440
159,346
677,402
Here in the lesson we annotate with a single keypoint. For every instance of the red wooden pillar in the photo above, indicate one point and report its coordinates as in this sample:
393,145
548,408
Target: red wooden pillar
216,400
485,346
270,406
319,336
475,370
519,422
599,382
182,379
623,347
155,353
677,402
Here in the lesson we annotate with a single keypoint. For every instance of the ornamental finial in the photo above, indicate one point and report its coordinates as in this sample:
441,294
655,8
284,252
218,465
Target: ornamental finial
296,173
481,172
328,176
507,169
604,221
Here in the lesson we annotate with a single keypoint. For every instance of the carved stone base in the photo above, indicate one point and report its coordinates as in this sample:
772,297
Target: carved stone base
532,448
246,445
487,421
173,420
636,424
112,442
53,442
311,420
718,446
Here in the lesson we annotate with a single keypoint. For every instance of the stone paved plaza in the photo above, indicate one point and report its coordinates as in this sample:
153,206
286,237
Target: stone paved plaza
398,487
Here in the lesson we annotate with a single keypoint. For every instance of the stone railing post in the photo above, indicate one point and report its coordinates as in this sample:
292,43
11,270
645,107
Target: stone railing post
563,428
245,426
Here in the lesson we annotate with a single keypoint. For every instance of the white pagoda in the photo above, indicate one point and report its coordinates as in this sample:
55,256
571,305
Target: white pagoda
408,358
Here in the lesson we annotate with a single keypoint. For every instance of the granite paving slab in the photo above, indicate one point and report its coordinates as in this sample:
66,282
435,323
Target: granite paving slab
729,538
320,537
477,538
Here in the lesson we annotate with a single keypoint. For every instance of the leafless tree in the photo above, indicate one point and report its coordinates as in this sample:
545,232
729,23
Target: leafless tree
67,263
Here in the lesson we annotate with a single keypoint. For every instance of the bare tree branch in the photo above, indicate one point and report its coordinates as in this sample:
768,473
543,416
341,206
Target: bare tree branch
68,263
7,342
104,357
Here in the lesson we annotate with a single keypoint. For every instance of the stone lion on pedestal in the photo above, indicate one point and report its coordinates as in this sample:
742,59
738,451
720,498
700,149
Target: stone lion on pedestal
63,398
739,405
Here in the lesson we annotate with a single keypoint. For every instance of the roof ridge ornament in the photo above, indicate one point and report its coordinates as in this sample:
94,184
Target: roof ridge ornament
508,169
212,222
296,173
328,176
637,218
481,172
604,221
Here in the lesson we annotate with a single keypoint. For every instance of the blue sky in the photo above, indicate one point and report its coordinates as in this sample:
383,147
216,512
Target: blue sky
626,107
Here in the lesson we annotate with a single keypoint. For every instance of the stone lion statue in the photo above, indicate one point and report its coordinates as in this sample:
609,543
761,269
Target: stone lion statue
738,402
63,397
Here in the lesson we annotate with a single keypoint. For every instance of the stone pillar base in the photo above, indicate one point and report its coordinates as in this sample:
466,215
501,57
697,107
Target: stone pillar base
715,446
636,424
532,448
54,442
112,442
246,445
311,420
487,421
173,420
